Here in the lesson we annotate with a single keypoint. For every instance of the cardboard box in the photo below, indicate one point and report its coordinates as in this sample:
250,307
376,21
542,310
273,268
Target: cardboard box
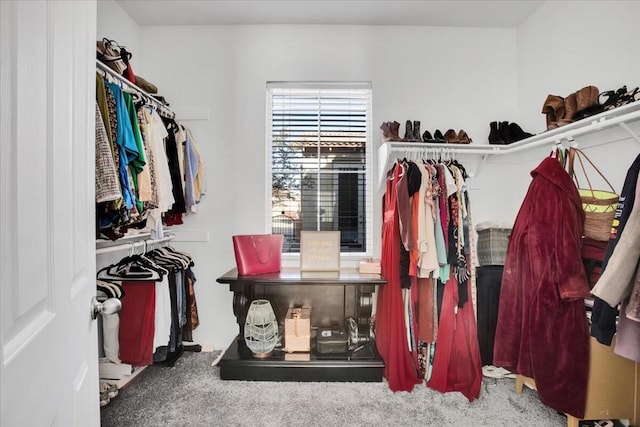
297,330
369,266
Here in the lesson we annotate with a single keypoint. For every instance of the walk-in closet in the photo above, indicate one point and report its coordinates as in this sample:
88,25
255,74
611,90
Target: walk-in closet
455,185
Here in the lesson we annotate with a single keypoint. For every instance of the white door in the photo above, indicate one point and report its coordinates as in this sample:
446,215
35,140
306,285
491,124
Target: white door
49,355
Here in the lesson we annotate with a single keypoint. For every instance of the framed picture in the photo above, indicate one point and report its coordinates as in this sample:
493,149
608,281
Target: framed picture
319,251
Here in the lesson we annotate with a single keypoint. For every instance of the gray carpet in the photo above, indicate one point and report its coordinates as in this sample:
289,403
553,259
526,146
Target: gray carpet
192,394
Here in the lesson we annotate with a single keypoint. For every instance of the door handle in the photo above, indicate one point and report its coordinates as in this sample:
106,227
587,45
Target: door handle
109,306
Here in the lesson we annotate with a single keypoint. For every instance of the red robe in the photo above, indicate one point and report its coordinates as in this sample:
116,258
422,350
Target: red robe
542,329
390,331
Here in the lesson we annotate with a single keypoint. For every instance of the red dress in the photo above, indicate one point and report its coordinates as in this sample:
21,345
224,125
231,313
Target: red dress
400,370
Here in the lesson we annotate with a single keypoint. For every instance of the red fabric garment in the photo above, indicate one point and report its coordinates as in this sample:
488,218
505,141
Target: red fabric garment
456,362
390,330
425,309
542,329
137,323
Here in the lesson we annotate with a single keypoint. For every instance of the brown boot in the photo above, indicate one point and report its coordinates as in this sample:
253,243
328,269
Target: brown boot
553,107
570,108
395,131
587,97
386,131
587,102
416,131
408,132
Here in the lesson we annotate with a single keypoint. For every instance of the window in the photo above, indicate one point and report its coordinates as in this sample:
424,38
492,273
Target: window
319,141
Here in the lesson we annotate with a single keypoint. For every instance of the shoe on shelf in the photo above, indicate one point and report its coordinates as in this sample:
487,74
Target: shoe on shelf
386,131
553,108
437,135
395,131
516,133
587,103
495,136
408,132
426,137
451,137
416,131
463,138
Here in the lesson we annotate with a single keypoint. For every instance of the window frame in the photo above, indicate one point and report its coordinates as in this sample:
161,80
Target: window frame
368,172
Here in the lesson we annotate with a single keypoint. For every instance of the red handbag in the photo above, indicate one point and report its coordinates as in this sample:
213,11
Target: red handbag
258,253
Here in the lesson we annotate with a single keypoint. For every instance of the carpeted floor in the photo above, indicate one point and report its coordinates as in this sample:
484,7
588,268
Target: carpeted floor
192,394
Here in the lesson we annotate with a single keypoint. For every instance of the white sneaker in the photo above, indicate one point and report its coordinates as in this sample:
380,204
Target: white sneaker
496,372
107,392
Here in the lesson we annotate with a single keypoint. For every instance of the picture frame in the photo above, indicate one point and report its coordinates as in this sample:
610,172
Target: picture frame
319,250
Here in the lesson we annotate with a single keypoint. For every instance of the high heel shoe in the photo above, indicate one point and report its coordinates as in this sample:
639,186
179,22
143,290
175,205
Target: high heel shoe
612,98
437,135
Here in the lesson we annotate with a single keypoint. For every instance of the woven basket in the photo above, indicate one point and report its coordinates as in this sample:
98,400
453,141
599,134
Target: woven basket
599,206
599,210
492,245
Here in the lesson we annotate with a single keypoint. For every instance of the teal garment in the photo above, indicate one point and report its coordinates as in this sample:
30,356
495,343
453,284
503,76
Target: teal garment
128,148
137,164
139,161
441,249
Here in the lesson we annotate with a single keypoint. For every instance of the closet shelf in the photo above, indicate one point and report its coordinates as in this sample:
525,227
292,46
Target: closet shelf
131,246
621,116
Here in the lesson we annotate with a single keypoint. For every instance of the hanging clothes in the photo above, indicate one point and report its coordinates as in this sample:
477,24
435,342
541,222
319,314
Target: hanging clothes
390,329
542,329
620,279
160,171
106,177
137,323
457,365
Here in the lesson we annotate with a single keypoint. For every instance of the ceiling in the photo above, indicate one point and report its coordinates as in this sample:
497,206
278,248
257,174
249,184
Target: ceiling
449,13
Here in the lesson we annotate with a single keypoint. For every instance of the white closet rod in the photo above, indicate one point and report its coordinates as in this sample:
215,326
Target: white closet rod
163,108
148,244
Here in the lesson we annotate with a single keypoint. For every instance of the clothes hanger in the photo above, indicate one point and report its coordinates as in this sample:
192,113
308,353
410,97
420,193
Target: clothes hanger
132,268
167,261
110,289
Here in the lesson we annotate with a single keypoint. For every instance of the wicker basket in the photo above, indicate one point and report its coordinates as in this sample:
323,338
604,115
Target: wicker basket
492,245
599,210
599,206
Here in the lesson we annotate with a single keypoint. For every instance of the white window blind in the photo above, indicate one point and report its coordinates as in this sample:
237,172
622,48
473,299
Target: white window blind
319,141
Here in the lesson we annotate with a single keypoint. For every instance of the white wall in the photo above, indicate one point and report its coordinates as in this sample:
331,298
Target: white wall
567,45
435,75
445,77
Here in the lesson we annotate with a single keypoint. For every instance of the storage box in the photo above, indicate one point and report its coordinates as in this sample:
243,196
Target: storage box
331,341
297,329
492,245
369,266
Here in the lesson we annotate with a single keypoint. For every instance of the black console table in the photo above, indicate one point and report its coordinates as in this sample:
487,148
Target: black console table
333,297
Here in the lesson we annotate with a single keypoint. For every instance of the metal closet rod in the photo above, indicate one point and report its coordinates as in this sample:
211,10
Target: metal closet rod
104,67
147,244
